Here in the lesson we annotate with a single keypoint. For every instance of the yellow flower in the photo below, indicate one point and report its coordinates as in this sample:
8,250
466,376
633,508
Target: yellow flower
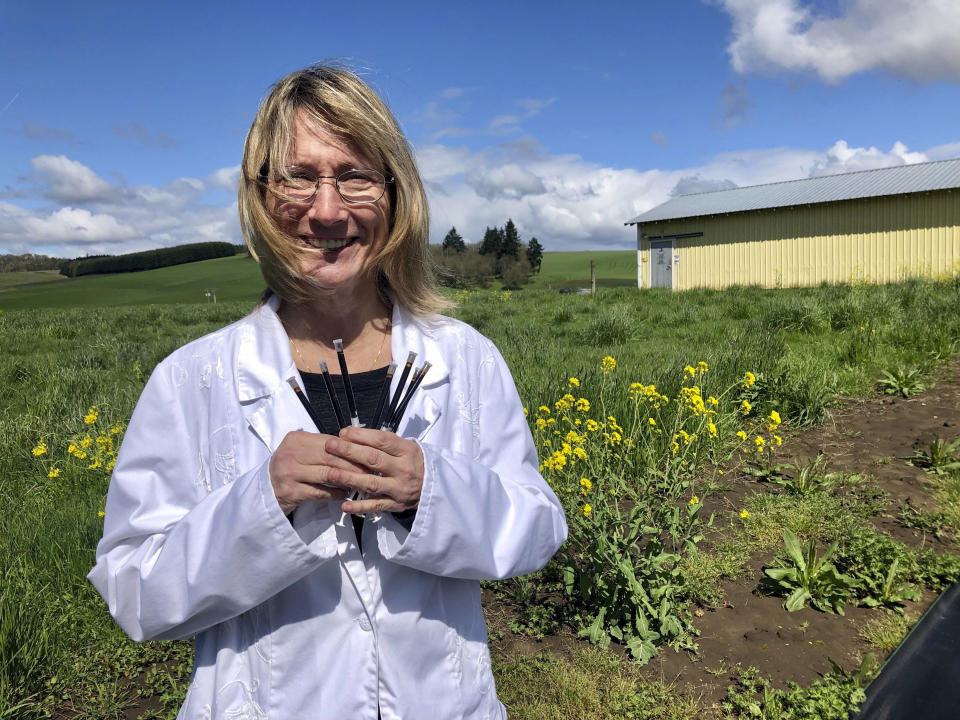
91,417
525,414
613,438
543,409
587,510
592,425
712,429
713,401
40,449
586,484
54,472
688,370
777,440
583,405
694,500
608,364
674,448
565,402
742,435
551,421
574,382
101,514
749,379
580,453
760,443
702,367
746,407
541,423
653,423
744,514
775,417
86,442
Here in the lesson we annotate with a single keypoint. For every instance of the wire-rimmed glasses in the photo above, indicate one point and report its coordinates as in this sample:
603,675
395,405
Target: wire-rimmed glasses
357,186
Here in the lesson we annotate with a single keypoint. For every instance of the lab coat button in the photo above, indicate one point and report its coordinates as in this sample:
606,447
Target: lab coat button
365,624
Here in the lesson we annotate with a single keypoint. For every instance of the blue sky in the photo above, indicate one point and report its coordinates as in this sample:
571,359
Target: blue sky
122,124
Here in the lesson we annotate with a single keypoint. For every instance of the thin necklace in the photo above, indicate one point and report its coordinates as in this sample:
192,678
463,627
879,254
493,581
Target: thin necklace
303,362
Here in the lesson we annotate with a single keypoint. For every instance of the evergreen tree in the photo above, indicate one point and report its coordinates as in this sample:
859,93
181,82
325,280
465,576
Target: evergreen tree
492,241
534,254
453,242
510,246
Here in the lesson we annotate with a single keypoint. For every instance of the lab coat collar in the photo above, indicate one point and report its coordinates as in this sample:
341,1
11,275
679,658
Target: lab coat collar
419,335
265,364
264,361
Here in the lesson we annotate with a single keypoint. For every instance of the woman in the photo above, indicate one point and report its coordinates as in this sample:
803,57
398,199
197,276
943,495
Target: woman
228,515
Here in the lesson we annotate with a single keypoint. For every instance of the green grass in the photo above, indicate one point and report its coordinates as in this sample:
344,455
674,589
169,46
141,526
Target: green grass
234,278
76,344
28,277
592,685
614,268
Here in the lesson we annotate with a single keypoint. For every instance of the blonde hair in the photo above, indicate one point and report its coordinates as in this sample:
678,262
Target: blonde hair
338,101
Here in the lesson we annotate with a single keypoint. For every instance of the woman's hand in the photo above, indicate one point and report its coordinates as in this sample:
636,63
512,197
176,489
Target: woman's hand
390,470
300,469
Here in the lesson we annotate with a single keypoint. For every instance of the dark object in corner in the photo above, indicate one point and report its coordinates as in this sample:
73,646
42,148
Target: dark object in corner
920,680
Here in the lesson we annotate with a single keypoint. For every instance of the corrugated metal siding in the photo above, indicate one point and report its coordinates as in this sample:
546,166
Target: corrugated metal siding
920,177
873,239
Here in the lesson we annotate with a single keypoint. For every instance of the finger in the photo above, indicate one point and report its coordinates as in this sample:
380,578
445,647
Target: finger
311,449
361,482
359,454
368,505
387,442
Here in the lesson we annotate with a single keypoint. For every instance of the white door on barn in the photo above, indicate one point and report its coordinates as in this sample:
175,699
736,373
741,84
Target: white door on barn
661,267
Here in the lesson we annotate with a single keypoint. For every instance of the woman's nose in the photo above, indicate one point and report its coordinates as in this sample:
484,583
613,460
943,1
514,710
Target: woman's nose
327,207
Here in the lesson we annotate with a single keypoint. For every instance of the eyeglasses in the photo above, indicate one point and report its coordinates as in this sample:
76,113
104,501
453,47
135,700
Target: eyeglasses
357,187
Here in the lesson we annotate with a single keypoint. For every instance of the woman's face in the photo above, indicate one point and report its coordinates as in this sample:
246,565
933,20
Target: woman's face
338,240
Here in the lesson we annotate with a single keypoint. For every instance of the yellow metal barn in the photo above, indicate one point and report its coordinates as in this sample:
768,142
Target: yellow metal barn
875,225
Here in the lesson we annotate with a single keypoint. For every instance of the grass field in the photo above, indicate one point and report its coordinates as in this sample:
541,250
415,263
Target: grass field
238,278
233,278
614,268
92,343
10,280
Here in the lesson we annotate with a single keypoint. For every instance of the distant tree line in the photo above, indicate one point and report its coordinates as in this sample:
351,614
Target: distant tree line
28,261
146,260
501,254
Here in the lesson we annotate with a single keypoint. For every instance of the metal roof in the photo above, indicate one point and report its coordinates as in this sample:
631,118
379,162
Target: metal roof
919,177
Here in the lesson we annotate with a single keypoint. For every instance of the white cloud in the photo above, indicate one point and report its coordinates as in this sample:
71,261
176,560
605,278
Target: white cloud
90,215
227,178
511,123
67,225
912,38
841,158
70,181
506,181
569,203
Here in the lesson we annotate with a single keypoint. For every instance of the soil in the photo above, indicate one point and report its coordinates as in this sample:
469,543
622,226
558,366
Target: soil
871,436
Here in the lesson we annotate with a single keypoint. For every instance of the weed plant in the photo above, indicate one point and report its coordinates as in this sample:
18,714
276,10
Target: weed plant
834,697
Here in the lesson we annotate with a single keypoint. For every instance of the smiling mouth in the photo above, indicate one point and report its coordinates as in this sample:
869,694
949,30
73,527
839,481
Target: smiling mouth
327,244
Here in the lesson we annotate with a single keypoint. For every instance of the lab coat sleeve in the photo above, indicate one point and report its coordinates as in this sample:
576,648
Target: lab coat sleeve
490,516
176,556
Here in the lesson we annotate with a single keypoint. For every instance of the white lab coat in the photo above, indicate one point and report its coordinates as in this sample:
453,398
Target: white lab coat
291,622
